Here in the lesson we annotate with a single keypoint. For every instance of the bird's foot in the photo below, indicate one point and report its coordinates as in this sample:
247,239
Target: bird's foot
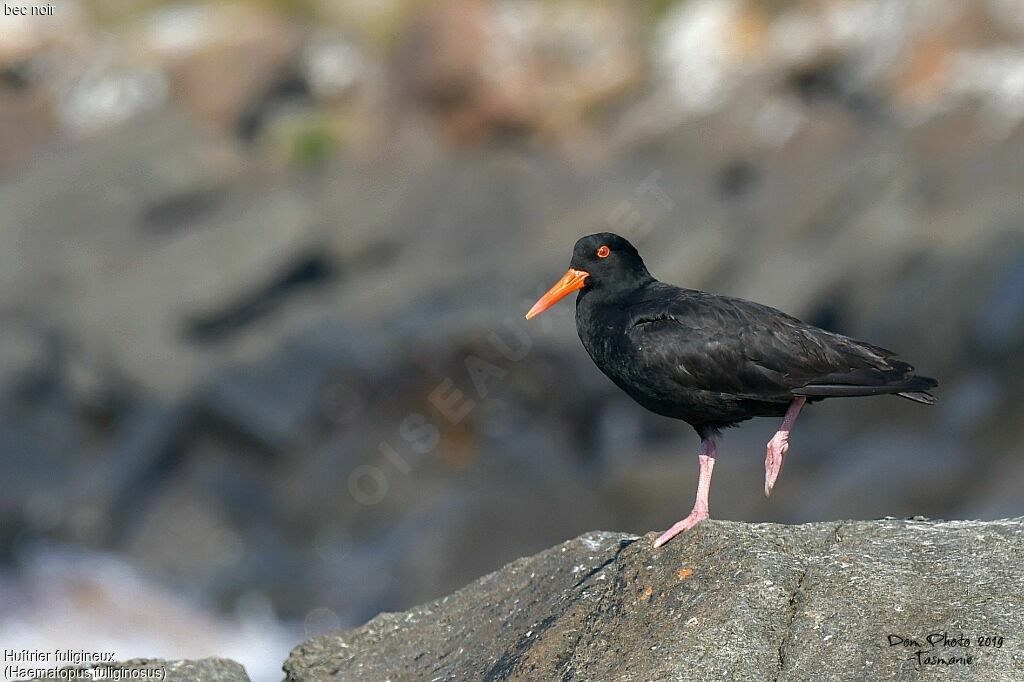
695,517
777,448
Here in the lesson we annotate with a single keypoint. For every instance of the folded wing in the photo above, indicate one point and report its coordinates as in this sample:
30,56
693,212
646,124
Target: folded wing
752,351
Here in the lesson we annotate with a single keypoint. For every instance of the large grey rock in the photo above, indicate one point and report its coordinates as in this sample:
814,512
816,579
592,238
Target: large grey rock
202,670
729,601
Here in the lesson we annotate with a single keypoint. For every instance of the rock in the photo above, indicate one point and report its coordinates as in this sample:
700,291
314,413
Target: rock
827,601
28,123
110,95
203,670
488,70
219,58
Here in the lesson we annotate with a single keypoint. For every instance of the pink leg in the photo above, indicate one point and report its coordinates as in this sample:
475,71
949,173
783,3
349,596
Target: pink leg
706,455
778,446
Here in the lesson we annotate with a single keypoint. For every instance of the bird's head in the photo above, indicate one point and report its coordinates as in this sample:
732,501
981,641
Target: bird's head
602,261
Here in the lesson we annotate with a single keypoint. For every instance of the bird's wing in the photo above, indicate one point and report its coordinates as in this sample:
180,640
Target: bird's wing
749,350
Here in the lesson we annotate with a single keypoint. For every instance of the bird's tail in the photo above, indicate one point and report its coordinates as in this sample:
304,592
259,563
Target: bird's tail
913,387
918,396
918,392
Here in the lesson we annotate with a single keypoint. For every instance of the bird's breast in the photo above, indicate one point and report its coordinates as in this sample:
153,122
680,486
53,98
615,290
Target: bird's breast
631,365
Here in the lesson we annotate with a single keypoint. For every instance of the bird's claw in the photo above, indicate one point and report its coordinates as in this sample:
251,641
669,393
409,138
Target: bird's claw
695,517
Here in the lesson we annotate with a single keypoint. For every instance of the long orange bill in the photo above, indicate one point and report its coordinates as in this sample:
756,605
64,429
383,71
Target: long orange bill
572,281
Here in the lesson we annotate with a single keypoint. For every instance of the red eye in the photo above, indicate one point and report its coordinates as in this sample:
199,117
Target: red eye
603,252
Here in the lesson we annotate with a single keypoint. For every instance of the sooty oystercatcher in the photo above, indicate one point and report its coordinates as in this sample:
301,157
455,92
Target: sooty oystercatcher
713,361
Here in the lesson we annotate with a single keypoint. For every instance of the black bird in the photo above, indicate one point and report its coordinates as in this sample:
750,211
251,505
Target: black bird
714,361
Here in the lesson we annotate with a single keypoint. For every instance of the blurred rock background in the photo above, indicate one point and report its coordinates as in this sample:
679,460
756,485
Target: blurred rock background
263,267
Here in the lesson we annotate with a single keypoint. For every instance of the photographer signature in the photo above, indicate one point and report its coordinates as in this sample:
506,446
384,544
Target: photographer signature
940,648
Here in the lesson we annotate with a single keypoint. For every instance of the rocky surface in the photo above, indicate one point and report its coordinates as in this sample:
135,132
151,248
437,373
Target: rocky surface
203,670
827,601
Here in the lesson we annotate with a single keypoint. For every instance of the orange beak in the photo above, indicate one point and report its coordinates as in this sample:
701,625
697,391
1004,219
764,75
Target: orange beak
572,281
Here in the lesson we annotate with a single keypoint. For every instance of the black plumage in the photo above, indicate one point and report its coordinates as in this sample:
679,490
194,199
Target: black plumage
714,361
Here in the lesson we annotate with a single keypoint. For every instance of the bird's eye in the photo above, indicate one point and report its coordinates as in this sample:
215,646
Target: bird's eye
603,252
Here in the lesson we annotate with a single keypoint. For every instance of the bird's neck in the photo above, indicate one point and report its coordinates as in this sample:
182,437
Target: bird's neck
617,295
